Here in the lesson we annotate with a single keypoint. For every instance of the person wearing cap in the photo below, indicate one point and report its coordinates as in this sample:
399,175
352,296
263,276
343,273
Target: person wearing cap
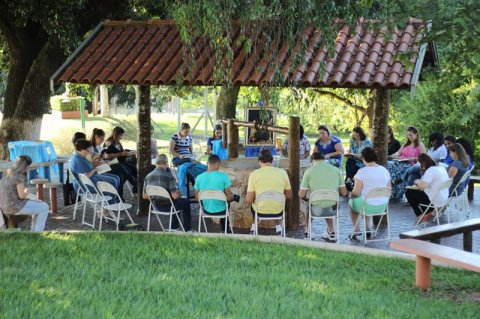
162,176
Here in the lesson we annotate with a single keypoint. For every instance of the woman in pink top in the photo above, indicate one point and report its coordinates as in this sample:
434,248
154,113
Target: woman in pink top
403,159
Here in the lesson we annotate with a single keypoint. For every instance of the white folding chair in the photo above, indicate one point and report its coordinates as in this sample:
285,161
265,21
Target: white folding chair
437,210
460,201
213,195
158,191
323,195
376,193
80,198
270,196
92,196
115,209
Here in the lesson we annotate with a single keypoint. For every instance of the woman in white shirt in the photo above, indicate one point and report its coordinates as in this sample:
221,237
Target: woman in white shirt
367,178
428,187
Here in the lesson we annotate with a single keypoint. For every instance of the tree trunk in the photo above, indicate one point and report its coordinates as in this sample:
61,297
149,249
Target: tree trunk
143,143
104,105
94,90
22,119
227,102
380,124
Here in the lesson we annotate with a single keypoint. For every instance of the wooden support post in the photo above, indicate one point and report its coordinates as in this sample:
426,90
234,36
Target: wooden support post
294,171
380,130
467,241
143,144
224,135
232,139
422,273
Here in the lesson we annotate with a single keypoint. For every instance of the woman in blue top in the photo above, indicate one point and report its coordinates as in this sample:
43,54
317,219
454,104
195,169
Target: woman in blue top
214,144
458,167
330,146
354,162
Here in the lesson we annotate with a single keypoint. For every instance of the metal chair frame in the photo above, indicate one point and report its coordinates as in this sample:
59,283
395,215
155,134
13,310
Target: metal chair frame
117,208
158,191
213,195
270,196
323,194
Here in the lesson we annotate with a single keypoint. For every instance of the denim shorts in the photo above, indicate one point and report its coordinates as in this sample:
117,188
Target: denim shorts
323,211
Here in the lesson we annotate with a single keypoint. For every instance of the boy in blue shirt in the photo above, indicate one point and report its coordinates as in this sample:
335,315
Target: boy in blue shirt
212,179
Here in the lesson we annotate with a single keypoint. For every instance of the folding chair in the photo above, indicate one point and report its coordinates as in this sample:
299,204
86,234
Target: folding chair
437,210
158,191
216,195
323,194
270,196
460,201
92,196
111,209
80,198
376,193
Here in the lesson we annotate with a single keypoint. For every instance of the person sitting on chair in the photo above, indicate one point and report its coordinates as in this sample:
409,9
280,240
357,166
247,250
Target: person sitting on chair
181,149
304,145
13,195
79,164
267,179
368,178
427,191
354,162
212,179
162,176
322,176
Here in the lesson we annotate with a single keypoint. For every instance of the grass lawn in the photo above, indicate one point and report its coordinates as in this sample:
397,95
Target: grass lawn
110,275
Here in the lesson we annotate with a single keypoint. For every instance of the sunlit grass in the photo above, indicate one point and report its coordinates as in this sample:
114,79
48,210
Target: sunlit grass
150,276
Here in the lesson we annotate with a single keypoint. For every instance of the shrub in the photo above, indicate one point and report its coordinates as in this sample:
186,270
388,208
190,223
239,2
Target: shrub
59,103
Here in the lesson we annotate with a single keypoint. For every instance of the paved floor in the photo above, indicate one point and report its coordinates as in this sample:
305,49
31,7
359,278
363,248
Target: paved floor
401,220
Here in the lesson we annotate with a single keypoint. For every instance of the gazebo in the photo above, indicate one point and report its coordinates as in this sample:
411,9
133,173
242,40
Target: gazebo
145,53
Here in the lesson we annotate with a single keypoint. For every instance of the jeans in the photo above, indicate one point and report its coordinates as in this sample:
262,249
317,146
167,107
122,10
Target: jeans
123,170
193,169
412,174
180,204
39,212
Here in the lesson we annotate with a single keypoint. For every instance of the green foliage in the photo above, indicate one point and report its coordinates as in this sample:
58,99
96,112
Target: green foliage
64,104
118,275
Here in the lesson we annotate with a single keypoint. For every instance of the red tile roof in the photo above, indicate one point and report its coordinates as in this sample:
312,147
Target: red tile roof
152,53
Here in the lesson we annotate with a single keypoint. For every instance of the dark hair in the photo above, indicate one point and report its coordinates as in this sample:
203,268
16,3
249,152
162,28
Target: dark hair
414,130
318,156
20,166
117,130
391,136
436,140
450,138
425,161
213,159
360,132
369,154
458,149
78,136
324,128
467,146
96,132
82,145
302,131
265,156
184,126
216,128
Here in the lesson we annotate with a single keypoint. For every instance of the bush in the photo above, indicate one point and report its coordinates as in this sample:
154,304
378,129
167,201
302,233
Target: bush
59,103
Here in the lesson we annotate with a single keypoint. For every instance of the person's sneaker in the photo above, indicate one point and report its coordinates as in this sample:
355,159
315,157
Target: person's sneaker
329,236
404,200
369,233
174,230
278,230
355,235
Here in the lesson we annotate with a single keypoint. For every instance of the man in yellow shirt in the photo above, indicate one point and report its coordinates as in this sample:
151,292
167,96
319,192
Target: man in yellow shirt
267,179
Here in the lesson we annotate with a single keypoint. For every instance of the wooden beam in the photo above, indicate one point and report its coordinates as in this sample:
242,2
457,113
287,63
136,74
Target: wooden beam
294,171
232,139
275,129
143,143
